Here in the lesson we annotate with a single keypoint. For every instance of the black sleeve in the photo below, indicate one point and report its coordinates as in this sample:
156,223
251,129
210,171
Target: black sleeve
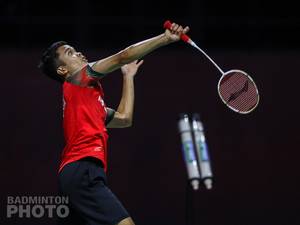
93,73
110,115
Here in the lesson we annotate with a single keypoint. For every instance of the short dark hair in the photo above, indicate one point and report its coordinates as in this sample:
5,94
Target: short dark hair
50,62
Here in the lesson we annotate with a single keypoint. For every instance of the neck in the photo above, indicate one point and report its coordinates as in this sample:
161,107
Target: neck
75,70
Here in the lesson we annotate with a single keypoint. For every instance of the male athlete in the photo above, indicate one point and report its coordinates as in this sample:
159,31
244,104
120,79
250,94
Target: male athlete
85,119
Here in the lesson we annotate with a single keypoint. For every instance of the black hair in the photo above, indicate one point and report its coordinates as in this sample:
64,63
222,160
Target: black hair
50,62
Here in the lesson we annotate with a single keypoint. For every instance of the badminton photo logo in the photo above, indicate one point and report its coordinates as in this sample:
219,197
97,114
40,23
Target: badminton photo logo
37,206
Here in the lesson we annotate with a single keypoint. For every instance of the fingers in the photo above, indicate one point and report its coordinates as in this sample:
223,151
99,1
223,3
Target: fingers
140,63
185,30
174,28
178,29
137,62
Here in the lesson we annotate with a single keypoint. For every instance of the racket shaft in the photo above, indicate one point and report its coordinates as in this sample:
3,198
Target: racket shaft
187,39
207,56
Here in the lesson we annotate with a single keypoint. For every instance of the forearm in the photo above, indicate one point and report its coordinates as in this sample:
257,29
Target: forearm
142,48
126,105
130,54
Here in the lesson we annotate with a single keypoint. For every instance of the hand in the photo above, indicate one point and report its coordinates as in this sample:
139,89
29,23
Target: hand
130,69
175,31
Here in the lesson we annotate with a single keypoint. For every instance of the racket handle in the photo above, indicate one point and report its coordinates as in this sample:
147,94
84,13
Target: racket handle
183,37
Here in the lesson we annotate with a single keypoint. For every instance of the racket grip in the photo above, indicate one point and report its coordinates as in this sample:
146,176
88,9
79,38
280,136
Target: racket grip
183,37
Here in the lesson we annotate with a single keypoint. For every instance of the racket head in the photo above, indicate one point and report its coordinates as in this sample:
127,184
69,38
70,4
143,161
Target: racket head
238,91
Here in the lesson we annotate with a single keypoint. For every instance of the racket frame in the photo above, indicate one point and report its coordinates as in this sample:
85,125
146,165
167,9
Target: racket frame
250,78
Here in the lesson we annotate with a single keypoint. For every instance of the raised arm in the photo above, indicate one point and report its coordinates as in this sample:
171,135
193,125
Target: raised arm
139,50
124,115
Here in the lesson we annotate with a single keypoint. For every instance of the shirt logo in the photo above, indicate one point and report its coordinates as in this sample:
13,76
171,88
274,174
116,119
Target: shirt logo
98,149
102,103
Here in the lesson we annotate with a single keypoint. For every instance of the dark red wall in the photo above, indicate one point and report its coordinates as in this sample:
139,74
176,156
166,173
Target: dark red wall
255,157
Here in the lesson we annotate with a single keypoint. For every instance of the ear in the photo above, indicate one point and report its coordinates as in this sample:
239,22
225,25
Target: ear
62,71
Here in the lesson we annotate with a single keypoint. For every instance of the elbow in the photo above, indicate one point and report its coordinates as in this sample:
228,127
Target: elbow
127,122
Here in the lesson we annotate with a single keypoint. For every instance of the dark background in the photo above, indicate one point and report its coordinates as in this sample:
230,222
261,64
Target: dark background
254,157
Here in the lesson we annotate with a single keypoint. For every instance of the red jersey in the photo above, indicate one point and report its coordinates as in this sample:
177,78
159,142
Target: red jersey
84,117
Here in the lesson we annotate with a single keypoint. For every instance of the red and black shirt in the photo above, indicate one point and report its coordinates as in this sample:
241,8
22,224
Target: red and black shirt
84,118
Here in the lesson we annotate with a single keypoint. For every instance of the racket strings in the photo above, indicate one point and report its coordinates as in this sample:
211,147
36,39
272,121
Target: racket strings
233,96
238,91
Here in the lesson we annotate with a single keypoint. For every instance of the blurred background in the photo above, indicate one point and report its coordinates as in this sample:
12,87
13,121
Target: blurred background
254,157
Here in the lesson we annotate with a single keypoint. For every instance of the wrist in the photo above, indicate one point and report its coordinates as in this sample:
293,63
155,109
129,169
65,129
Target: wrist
166,39
128,77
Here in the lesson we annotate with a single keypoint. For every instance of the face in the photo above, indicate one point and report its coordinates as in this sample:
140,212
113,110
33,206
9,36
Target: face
72,60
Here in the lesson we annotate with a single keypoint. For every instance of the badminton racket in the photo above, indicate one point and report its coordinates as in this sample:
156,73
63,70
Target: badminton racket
236,88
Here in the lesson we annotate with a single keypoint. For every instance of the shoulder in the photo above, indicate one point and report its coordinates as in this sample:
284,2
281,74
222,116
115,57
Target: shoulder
93,73
84,77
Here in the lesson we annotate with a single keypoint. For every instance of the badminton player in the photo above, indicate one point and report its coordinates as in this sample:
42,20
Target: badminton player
85,120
